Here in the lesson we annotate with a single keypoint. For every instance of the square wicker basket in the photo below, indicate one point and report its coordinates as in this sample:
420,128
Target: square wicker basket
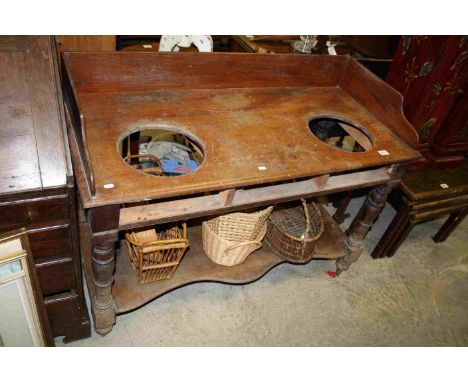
154,255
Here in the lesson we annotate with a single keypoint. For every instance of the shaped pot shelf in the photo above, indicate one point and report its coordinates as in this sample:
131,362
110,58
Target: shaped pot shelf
197,267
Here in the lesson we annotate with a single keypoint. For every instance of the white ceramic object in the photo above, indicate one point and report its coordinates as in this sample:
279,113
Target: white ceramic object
173,43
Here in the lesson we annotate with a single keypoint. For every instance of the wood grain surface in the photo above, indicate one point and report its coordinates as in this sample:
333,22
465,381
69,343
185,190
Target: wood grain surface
245,110
31,137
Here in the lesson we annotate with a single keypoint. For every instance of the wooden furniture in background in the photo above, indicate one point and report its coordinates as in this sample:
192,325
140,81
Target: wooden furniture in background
425,195
37,187
430,72
265,44
374,52
379,46
250,114
82,43
450,143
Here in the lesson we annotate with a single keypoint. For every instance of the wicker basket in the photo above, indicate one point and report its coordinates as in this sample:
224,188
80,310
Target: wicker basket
229,239
156,256
293,232
153,170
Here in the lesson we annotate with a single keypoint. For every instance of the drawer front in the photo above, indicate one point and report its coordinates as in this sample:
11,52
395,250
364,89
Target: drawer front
54,242
56,276
34,213
64,312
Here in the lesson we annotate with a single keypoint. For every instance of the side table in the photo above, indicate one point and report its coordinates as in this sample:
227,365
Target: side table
426,195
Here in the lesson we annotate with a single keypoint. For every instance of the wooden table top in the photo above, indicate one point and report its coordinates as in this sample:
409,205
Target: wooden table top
32,141
258,116
433,183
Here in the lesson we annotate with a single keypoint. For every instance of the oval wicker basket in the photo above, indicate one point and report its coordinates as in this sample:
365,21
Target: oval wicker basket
293,232
229,239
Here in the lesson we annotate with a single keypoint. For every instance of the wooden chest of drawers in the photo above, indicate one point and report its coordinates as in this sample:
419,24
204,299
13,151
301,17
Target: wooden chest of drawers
36,179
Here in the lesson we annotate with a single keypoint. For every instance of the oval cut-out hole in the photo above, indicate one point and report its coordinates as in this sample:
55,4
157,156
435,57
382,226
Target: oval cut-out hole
340,134
161,152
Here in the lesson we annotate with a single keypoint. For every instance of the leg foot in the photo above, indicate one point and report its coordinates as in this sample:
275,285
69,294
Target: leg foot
450,224
103,331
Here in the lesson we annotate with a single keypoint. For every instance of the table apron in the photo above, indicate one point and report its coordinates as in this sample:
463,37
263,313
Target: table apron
182,209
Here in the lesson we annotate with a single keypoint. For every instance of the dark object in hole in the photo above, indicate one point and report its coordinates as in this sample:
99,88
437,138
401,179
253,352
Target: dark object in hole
340,134
161,152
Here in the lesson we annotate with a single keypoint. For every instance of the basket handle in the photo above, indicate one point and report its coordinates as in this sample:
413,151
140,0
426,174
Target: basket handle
158,167
307,216
257,244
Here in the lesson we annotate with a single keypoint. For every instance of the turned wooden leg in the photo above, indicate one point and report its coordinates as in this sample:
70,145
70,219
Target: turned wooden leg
450,224
103,260
366,216
103,222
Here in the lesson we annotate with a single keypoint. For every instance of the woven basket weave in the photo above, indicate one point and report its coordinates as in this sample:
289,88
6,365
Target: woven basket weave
156,256
229,239
293,232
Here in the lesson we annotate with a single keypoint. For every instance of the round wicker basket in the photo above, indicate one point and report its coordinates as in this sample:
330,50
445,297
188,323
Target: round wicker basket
293,232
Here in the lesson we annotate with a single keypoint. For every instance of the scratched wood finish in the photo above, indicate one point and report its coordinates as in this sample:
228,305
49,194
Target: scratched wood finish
29,117
245,110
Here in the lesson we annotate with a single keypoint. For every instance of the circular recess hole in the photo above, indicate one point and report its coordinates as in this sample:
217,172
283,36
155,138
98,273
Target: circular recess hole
341,134
161,152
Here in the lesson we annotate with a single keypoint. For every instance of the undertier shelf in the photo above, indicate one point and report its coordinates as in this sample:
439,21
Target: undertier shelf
197,267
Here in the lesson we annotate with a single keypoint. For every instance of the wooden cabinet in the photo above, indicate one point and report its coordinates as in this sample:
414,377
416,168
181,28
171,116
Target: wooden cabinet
430,72
37,187
451,142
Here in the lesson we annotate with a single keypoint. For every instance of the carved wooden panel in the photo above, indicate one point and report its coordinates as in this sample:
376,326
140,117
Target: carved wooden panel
430,72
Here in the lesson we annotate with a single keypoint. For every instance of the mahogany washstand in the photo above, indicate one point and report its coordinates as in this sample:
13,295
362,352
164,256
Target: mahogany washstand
250,114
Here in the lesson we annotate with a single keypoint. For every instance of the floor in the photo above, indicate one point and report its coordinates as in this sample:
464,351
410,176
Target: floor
417,298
